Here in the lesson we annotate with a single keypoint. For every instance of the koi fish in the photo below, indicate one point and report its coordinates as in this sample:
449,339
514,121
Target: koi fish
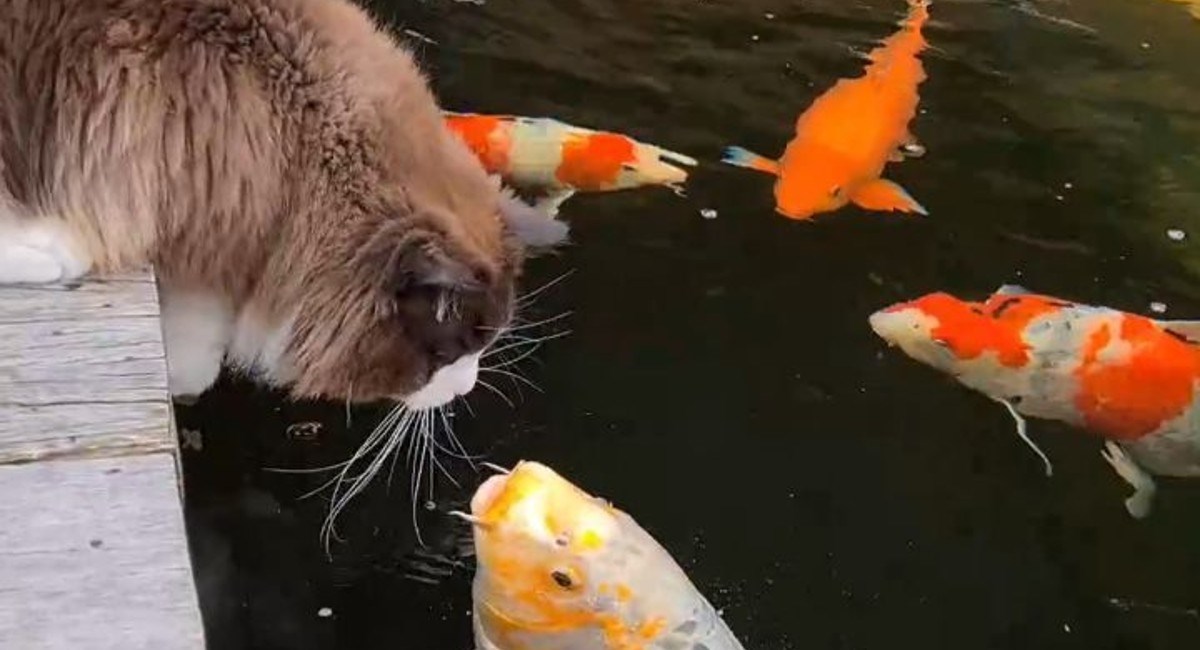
848,134
1130,379
1193,7
561,159
558,568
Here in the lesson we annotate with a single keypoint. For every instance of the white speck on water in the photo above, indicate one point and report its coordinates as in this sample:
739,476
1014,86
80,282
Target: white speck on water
325,612
1145,45
708,213
721,613
1068,185
769,16
1176,234
429,505
754,37
1067,628
1058,196
1158,307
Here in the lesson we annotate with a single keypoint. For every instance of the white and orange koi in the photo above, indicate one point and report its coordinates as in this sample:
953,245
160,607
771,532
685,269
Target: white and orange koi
540,153
1132,380
558,568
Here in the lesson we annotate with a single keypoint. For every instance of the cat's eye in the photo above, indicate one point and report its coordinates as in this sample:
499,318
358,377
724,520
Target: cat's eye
562,579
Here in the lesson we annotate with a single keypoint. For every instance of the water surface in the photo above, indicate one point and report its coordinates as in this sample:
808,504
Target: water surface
720,382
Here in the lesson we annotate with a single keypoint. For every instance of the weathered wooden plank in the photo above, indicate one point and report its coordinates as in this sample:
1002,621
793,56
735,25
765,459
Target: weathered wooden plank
93,552
92,555
82,367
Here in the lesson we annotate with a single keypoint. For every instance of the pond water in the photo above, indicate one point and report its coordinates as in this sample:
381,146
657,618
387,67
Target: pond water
720,381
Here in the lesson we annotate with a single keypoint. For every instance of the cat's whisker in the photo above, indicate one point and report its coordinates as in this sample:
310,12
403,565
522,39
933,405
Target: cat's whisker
516,377
532,342
528,298
497,391
524,326
454,441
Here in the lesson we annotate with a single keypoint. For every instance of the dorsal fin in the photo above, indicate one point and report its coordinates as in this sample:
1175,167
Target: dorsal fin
1012,290
1189,329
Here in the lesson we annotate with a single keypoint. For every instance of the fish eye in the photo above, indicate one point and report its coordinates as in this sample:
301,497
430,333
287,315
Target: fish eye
562,579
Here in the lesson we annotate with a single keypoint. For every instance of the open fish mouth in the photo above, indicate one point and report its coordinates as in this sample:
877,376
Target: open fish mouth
487,493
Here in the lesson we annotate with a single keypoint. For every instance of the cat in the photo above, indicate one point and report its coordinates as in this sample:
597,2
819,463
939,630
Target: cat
284,167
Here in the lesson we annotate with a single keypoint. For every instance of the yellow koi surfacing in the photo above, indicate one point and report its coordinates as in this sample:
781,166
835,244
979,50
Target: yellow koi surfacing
558,568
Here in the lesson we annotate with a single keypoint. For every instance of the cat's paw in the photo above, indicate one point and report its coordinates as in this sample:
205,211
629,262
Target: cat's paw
196,330
38,253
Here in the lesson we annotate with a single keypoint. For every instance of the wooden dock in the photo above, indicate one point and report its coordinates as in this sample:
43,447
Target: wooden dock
93,551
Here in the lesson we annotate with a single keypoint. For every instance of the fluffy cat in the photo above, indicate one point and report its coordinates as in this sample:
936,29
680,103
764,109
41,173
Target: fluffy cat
285,168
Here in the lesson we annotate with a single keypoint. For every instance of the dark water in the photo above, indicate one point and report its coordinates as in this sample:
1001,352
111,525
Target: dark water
720,381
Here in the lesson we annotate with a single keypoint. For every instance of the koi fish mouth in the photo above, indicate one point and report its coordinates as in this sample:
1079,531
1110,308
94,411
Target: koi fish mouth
487,494
888,324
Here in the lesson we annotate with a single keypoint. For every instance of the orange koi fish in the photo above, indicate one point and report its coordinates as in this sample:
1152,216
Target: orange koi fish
1130,379
561,159
846,137
558,568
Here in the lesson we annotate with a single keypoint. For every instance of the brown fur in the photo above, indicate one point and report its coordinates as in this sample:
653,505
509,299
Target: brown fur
283,152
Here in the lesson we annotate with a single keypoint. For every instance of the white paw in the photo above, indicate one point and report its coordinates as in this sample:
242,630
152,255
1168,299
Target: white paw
39,251
24,264
196,330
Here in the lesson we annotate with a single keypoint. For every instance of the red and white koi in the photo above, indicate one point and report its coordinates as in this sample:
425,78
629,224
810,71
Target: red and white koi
541,153
1130,379
558,568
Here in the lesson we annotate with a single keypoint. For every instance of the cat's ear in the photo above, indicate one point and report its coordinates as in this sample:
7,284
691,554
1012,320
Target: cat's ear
398,258
424,263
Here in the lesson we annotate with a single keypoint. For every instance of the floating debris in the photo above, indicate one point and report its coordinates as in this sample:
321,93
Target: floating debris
1158,307
325,612
1176,234
708,213
769,16
304,431
191,439
754,37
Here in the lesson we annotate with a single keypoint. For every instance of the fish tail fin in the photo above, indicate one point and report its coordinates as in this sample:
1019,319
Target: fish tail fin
739,157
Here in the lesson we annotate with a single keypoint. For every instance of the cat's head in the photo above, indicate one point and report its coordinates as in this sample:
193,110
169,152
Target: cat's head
402,303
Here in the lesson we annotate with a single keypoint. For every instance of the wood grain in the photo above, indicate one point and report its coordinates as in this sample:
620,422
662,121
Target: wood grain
93,551
93,555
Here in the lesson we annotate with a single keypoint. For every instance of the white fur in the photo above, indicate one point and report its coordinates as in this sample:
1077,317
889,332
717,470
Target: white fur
535,227
39,251
259,347
448,382
197,326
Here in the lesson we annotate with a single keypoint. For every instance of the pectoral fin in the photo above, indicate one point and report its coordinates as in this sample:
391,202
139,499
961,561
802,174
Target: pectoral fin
1189,329
881,194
